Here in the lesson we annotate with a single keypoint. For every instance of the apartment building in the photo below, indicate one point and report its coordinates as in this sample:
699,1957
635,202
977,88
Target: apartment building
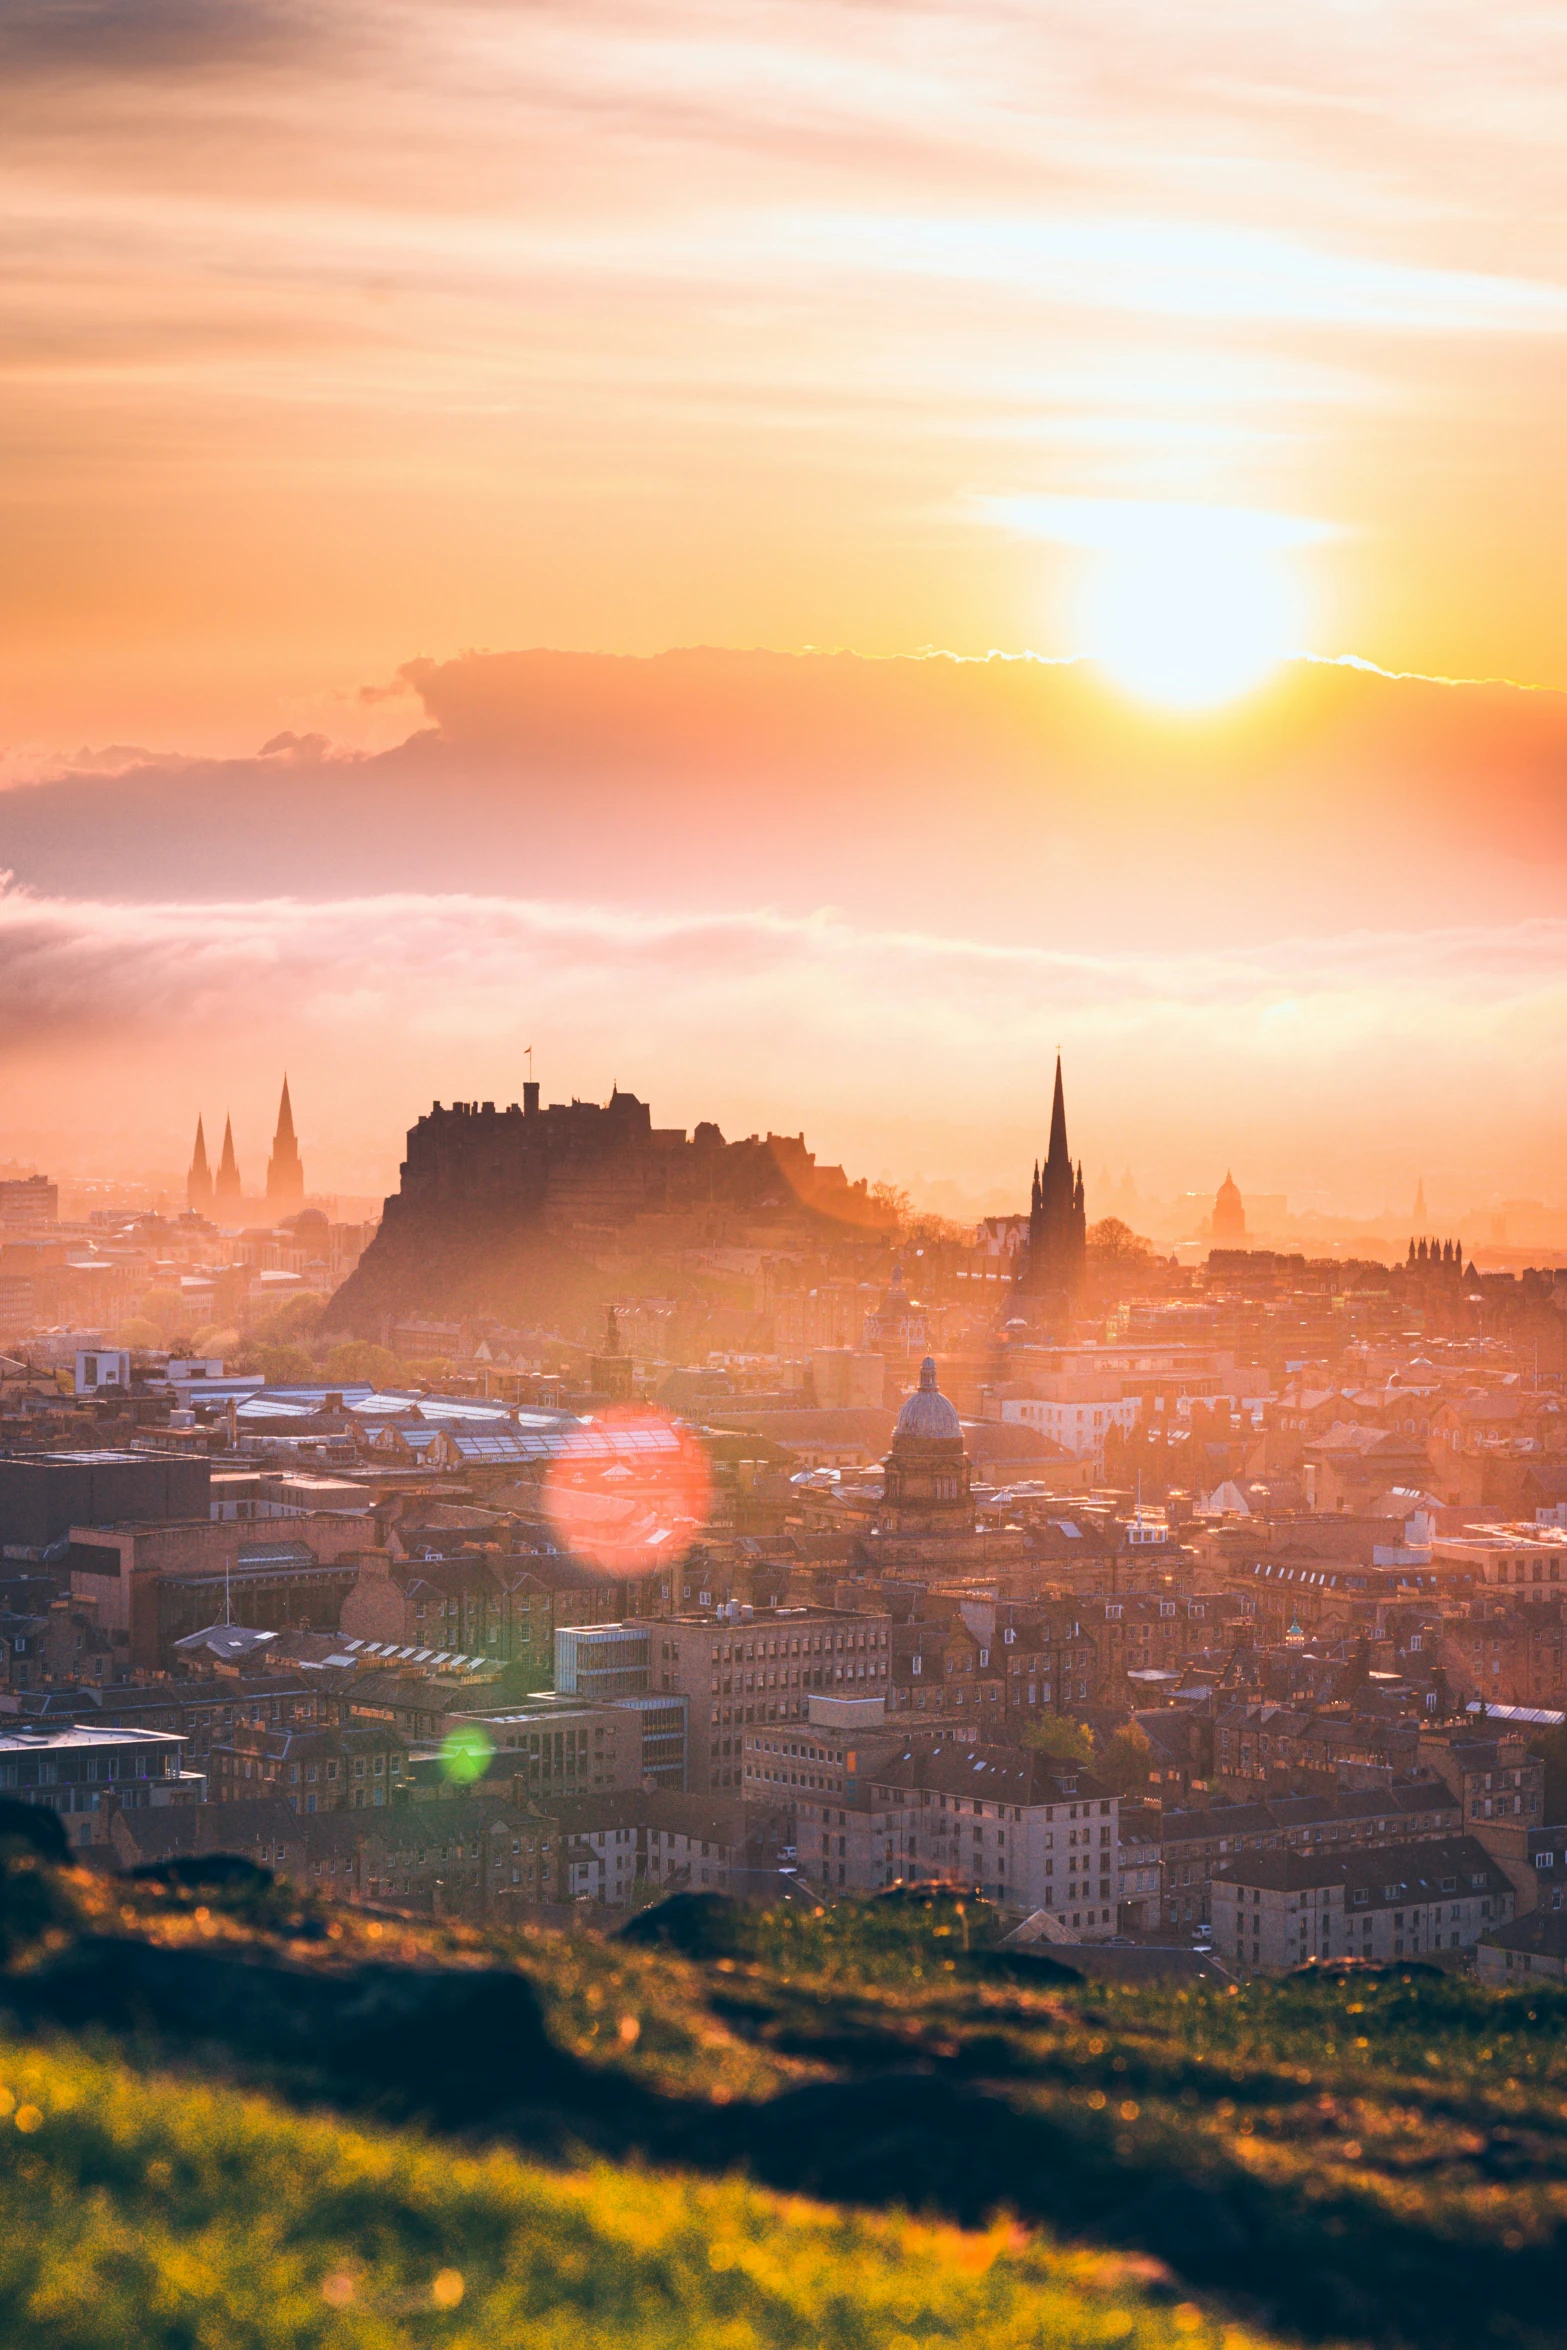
1016,1827
736,1669
1509,1652
568,1750
1526,1561
840,1742
1197,1842
312,1768
1139,1866
612,1844
1421,1900
86,1774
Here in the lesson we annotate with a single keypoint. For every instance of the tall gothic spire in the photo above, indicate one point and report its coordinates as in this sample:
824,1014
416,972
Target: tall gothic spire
285,1175
227,1190
1057,1224
1058,1156
198,1183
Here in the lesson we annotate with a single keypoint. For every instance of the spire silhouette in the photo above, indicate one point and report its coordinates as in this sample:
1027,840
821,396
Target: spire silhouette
198,1183
1057,1155
227,1190
1054,1267
285,1175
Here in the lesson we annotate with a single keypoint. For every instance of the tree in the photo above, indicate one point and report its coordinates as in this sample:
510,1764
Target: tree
1058,1736
893,1204
1114,1243
1127,1759
297,1318
166,1310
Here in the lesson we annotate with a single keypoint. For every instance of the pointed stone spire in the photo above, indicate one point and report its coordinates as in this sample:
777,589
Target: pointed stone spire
1056,1259
198,1183
1422,1216
1058,1154
227,1190
285,1175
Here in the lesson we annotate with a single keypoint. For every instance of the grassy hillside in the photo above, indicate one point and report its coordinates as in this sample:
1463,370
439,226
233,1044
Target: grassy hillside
136,2211
236,2116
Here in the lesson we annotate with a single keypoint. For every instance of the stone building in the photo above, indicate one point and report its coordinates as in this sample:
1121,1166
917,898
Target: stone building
926,1485
1279,1909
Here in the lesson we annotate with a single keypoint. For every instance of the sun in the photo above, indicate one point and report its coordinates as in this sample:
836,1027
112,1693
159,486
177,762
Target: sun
1190,618
1183,605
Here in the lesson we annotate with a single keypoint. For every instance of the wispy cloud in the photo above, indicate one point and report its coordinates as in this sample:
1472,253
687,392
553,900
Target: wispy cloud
860,1034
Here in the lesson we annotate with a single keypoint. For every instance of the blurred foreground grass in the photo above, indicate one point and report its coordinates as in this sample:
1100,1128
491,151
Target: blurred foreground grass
1375,2157
138,2210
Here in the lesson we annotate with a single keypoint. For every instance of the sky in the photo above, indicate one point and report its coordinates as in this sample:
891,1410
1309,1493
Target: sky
771,553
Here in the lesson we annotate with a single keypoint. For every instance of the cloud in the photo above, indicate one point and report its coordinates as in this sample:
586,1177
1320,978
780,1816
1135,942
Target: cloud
98,39
1018,799
1330,1056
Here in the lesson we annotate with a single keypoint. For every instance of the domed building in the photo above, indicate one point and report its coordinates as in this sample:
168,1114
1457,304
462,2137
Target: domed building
1229,1215
926,1489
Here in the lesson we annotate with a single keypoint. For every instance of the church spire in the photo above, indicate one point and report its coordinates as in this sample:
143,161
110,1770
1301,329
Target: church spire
285,1175
227,1190
1057,1223
1058,1154
198,1183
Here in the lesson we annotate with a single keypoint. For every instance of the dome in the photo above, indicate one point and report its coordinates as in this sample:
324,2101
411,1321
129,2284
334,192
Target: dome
1229,1212
927,1413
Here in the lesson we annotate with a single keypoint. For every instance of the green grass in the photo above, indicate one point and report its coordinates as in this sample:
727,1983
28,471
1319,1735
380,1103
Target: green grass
1377,2159
140,2211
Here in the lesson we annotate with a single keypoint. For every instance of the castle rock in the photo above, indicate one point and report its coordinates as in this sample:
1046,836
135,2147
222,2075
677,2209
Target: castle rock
515,1211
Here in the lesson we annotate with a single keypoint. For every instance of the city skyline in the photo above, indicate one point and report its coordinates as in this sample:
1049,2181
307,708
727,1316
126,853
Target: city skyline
981,525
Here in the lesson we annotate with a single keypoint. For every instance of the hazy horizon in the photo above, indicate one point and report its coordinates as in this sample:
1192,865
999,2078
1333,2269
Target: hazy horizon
757,373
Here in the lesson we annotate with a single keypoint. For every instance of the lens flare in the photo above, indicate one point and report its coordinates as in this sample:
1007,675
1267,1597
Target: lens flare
633,1491
466,1754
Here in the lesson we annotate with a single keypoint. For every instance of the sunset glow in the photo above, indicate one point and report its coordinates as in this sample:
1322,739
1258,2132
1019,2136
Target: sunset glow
1185,606
1017,420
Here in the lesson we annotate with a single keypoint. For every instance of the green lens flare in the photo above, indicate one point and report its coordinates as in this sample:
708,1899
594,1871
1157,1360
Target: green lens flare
466,1753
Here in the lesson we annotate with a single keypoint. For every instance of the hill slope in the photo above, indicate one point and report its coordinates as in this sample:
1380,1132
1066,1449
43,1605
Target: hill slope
294,2123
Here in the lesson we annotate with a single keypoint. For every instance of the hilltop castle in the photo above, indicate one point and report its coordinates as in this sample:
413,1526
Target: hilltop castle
510,1207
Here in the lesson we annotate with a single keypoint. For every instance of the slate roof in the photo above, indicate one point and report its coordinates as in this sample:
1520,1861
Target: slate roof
1425,1871
990,1774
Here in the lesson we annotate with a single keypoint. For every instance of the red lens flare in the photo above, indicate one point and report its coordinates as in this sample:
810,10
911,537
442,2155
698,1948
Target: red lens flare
633,1491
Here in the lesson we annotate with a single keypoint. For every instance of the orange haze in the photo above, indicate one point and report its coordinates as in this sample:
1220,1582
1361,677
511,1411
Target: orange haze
339,335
